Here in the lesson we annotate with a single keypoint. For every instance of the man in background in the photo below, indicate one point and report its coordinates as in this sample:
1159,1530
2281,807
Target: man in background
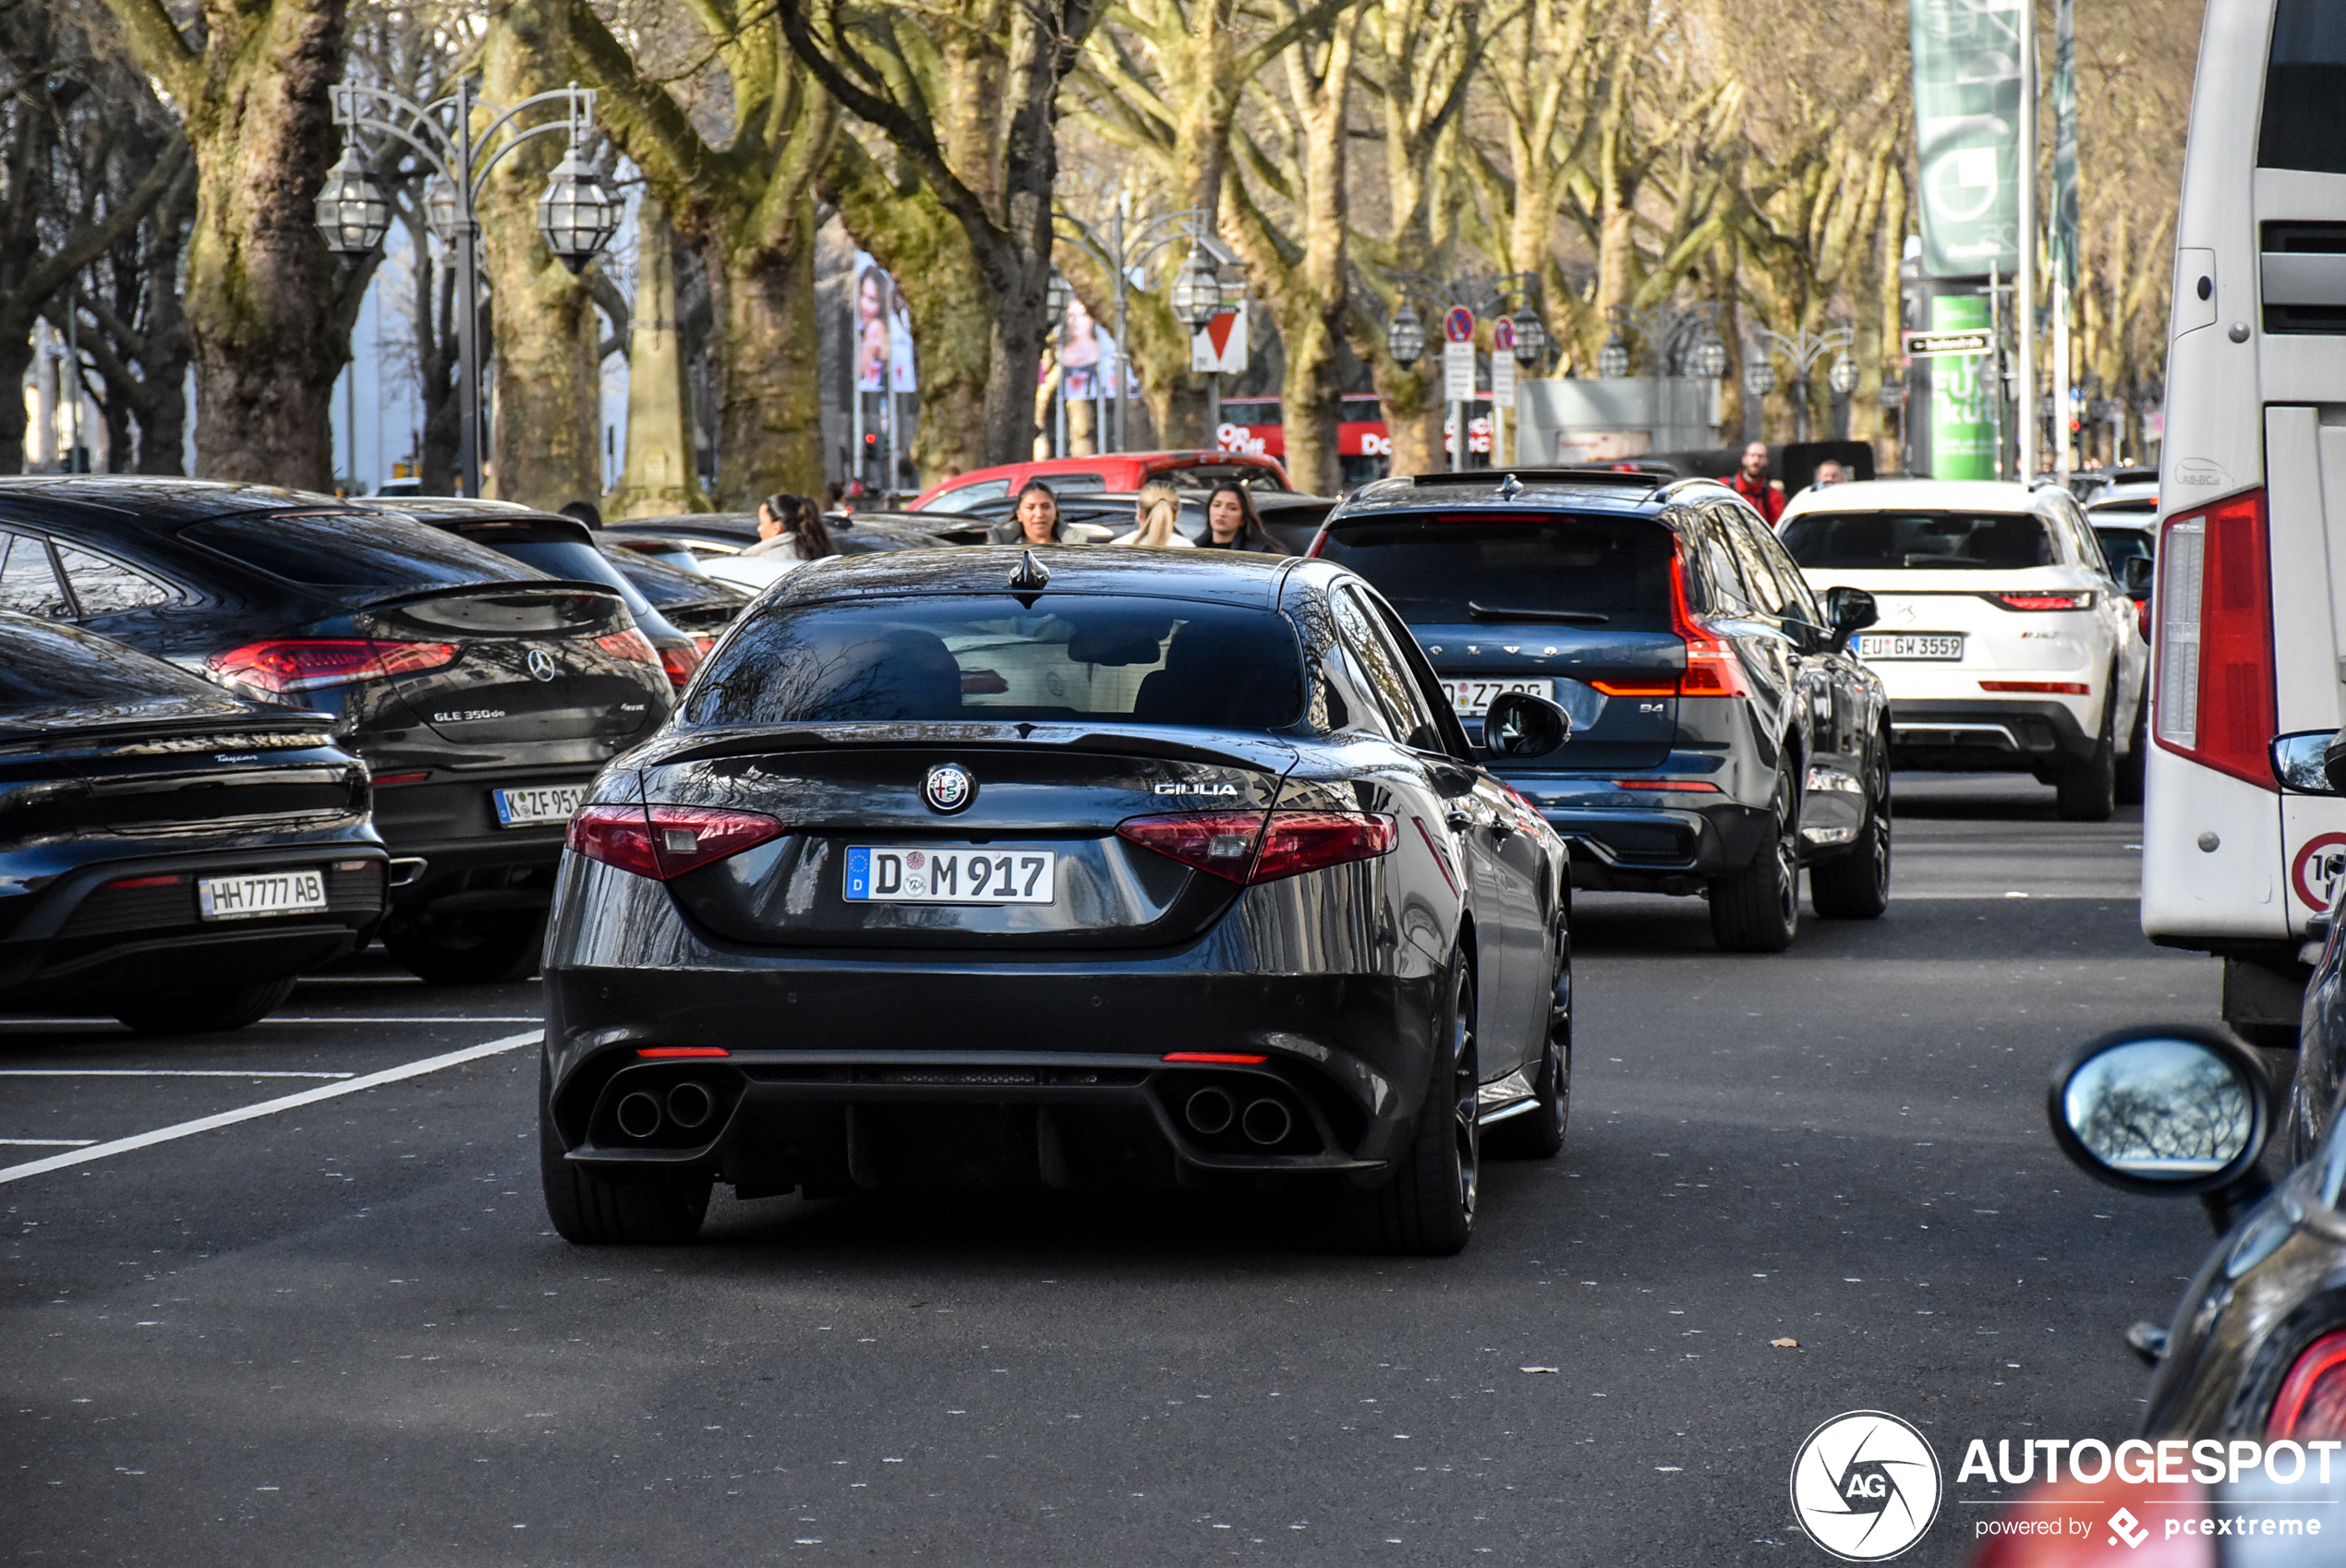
1751,482
1829,472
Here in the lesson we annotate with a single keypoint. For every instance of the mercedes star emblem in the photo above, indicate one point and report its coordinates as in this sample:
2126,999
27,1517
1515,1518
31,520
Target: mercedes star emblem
541,664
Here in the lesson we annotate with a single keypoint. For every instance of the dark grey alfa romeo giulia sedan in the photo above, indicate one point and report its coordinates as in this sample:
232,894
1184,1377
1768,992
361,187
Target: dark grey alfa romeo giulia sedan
1073,868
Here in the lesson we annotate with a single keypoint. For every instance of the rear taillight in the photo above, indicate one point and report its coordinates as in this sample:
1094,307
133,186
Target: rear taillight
664,842
2215,702
704,641
630,645
2312,1404
1245,848
2081,600
680,662
2048,688
306,664
2141,617
1713,669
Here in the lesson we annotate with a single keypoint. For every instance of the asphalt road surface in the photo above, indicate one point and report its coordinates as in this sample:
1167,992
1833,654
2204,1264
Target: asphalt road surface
342,1331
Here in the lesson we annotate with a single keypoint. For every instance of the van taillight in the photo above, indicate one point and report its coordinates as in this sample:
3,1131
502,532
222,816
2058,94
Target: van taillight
1713,669
2312,1403
2215,702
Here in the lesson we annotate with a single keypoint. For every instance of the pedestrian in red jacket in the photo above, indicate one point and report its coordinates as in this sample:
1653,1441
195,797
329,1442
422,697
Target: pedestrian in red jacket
1751,482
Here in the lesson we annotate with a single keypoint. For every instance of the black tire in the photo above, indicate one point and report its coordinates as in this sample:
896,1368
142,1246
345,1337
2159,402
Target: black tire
2088,791
1756,910
655,1209
1539,1134
485,949
1428,1208
1856,887
2133,765
199,1012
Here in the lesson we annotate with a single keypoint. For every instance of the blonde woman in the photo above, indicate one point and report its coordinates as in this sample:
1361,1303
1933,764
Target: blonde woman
1156,508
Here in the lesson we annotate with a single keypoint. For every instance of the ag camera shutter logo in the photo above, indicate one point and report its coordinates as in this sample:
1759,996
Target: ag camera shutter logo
1865,1486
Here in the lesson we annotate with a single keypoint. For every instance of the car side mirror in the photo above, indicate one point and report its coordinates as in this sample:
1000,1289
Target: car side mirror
1518,727
1851,610
2174,1110
2137,572
2312,762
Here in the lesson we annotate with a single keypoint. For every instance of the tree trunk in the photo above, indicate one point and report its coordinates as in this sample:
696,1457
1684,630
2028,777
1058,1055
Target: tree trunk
16,358
546,439
260,284
771,412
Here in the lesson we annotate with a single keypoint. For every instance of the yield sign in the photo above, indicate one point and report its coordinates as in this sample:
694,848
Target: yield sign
1219,343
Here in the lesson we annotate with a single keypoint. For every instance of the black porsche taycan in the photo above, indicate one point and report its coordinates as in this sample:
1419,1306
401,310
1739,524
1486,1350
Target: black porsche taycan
1078,868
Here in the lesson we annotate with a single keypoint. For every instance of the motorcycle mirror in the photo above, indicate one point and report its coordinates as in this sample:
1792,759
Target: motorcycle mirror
2169,1109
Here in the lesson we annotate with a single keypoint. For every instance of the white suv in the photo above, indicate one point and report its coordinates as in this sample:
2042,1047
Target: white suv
2004,642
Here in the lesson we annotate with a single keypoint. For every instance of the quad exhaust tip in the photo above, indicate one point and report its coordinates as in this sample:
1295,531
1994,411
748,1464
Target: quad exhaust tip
1209,1112
1266,1122
690,1105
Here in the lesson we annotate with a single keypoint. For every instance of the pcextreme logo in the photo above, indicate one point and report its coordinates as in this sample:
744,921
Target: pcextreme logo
1865,1486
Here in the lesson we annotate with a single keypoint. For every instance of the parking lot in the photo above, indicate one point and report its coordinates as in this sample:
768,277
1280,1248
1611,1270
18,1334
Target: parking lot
341,1329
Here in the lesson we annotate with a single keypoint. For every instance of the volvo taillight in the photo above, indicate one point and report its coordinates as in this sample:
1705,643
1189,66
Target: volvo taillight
1713,669
2312,1404
2215,702
664,842
1247,848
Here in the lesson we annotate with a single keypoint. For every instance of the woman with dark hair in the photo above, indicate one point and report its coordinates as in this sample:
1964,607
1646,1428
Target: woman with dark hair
1037,520
789,529
1231,523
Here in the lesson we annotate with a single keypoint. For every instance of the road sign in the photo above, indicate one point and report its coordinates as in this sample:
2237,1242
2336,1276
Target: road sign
1502,336
1928,345
1220,342
1459,325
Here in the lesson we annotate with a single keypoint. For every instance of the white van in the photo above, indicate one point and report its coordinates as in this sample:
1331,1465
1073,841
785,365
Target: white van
2249,617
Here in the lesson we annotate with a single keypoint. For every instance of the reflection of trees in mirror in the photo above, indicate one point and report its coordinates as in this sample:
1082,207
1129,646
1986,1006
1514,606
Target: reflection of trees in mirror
2160,1109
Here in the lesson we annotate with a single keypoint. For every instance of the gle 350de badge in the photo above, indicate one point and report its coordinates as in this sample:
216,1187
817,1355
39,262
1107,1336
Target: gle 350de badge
1865,1486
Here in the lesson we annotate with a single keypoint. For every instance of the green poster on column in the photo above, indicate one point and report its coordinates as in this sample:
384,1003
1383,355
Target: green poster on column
1968,132
1963,421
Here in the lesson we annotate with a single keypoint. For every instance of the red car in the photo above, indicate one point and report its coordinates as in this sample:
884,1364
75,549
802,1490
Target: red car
1115,473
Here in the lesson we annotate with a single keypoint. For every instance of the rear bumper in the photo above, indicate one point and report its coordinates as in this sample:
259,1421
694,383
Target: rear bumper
470,864
859,1068
82,942
1646,839
1974,735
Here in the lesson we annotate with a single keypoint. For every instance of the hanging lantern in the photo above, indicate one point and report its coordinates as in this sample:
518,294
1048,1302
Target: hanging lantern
1530,338
1709,356
579,214
1054,298
441,211
1758,376
353,213
1613,360
1197,289
1405,336
1842,377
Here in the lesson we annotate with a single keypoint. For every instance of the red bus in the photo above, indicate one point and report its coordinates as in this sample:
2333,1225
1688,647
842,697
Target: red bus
1364,447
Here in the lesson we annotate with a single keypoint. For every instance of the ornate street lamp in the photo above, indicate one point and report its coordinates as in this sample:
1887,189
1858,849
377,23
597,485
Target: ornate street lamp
1196,296
1530,338
1054,298
1758,376
1842,377
1708,356
1613,360
579,212
1405,336
353,213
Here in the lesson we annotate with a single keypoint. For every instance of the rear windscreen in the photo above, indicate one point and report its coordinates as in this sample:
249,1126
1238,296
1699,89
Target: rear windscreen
2304,84
1896,542
1600,571
580,564
2120,545
988,657
356,551
44,667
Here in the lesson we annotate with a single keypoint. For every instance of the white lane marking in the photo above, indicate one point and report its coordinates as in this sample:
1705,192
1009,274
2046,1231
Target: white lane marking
155,1072
48,1143
2126,897
266,1107
37,1023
